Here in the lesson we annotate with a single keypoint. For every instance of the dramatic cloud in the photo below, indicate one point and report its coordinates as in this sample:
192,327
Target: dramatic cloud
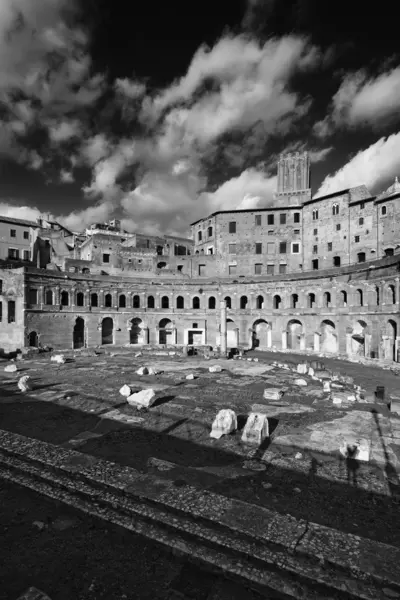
363,100
374,167
64,130
129,89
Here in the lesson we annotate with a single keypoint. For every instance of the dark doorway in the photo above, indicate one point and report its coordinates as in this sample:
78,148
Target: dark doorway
107,331
79,333
33,339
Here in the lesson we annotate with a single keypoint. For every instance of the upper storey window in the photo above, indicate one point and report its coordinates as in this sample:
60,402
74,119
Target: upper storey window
258,220
383,210
270,219
282,219
296,217
199,236
315,214
335,209
232,227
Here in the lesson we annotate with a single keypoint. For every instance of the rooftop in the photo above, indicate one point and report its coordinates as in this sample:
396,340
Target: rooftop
14,221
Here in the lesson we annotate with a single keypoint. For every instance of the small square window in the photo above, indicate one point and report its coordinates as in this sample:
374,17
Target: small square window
329,246
356,239
315,249
362,205
361,221
258,220
13,232
26,235
106,258
232,269
295,248
258,248
282,219
257,269
270,232
383,210
202,269
296,218
27,255
296,231
315,231
282,247
270,219
232,227
232,248
282,269
270,269
338,227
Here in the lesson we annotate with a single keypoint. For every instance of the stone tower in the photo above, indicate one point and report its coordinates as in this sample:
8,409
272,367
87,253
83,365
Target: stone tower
294,178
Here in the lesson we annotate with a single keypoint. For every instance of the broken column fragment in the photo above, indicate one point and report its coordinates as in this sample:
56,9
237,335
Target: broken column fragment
142,399
256,429
24,384
224,423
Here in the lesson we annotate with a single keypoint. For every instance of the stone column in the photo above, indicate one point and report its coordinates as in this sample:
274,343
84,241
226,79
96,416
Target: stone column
101,299
397,291
41,296
348,344
57,296
317,340
86,300
302,341
387,350
237,337
174,335
397,349
284,339
145,335
224,334
269,337
367,345
73,298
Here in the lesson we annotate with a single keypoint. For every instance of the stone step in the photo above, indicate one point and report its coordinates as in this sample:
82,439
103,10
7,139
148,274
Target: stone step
252,545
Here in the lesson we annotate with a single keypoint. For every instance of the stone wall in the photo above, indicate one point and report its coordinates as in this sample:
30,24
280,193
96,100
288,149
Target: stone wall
11,310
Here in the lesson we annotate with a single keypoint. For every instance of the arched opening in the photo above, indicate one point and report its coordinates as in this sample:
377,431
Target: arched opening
260,302
343,297
294,300
294,331
228,301
94,300
135,331
211,303
79,333
80,299
196,303
311,300
122,301
136,301
231,334
108,301
329,341
165,331
49,297
85,271
107,331
33,339
161,265
389,252
243,302
276,301
165,302
150,302
391,331
180,302
359,298
377,296
392,294
261,335
327,299
64,298
358,338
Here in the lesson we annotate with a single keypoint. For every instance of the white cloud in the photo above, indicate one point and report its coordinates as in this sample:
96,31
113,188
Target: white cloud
79,220
129,89
66,176
251,189
64,130
19,212
107,170
373,167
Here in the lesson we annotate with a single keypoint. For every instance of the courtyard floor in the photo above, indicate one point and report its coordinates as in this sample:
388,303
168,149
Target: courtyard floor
297,471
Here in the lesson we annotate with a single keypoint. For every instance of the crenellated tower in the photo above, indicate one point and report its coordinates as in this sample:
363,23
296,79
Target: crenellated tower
293,178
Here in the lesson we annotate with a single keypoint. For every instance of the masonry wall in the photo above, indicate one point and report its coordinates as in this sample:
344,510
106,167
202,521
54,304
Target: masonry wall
11,290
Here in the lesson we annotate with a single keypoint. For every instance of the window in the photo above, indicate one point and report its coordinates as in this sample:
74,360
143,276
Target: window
383,210
389,252
282,247
211,303
270,269
195,325
315,231
49,297
258,220
295,248
11,311
282,219
361,257
228,301
294,300
327,299
257,269
258,248
314,264
243,302
1,286
296,217
232,248
282,269
270,232
108,301
13,253
33,296
94,300
356,239
26,255
202,270
311,300
335,209
210,251
270,219
276,302
232,227
1,311
26,235
106,258
336,261
165,302
296,231
362,205
199,236
361,221
315,215
80,299
196,303
232,269
359,298
150,302
259,302
329,246
13,232
180,302
122,301
210,231
338,227
136,301
343,295
64,298
315,249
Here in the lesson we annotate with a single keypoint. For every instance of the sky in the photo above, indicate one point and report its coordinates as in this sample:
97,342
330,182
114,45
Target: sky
162,113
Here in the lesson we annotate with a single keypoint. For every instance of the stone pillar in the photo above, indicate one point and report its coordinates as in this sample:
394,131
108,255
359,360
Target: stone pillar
317,340
145,335
86,300
237,336
101,299
348,344
397,349
387,350
302,341
73,298
174,335
41,296
284,339
224,334
397,292
269,337
57,296
367,345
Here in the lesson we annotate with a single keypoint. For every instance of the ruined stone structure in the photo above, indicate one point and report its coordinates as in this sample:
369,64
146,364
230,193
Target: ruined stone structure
118,288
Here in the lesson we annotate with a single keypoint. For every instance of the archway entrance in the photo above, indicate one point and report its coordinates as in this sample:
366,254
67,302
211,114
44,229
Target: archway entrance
261,335
79,333
392,334
231,334
165,331
33,339
107,331
294,331
135,332
358,338
329,341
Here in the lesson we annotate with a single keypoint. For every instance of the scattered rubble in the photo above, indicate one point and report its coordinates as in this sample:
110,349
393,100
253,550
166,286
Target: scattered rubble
190,376
300,382
24,385
125,391
256,429
59,359
11,368
142,399
273,394
224,423
215,369
142,371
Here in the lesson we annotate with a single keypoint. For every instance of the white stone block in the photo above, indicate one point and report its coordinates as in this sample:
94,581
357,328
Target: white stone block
255,359
125,391
256,429
153,371
215,369
24,384
301,382
144,398
224,423
311,372
59,358
11,368
190,376
273,394
142,371
138,354
302,368
327,386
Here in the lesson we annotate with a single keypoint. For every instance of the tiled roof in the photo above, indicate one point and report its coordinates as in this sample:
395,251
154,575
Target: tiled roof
23,222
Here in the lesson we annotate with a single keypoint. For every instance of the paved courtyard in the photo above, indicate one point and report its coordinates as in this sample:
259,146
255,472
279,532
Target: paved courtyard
297,471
